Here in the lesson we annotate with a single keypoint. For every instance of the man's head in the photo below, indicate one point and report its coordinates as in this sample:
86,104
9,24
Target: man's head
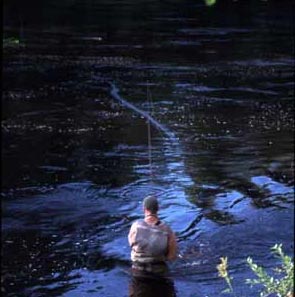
151,204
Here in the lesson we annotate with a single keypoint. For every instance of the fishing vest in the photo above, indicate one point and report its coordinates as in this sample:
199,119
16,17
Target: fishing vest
151,243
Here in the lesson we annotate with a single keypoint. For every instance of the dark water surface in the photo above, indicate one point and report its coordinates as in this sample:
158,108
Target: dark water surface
75,157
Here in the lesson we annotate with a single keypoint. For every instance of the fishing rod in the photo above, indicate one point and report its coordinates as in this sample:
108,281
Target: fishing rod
149,99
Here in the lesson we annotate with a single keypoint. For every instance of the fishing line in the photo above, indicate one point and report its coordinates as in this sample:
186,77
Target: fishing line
151,121
149,98
115,94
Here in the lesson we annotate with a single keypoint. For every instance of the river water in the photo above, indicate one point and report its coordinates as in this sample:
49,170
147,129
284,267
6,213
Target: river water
216,85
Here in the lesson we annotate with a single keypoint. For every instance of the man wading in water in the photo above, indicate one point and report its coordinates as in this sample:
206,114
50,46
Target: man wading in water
152,243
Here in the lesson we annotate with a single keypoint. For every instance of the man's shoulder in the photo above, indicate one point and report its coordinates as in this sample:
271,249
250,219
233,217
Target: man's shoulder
165,226
137,222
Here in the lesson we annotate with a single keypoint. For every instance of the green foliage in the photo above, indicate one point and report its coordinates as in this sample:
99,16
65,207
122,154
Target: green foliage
210,2
222,272
11,41
282,285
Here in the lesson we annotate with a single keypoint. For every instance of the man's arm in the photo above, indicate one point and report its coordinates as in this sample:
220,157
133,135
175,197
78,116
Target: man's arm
172,247
131,235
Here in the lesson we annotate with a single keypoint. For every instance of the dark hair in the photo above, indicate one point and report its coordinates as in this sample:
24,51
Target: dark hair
151,204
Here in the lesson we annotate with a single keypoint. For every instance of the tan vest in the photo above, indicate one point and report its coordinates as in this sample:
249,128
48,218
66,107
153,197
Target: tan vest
151,243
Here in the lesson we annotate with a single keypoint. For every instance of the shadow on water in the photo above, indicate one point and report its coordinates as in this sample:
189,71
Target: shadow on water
148,287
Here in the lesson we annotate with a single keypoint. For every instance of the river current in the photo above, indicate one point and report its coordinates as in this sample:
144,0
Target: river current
216,87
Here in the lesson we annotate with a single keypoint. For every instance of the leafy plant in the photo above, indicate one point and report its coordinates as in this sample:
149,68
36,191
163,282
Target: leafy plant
210,2
11,41
281,284
222,272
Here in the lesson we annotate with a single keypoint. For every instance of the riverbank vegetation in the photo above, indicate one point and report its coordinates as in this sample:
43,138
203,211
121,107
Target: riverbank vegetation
11,42
279,282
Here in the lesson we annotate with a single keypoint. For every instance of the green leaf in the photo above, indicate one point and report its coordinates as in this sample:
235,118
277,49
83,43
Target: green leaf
226,291
210,2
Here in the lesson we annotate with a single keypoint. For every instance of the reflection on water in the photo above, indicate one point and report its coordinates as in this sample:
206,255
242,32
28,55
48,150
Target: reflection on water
151,286
75,148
